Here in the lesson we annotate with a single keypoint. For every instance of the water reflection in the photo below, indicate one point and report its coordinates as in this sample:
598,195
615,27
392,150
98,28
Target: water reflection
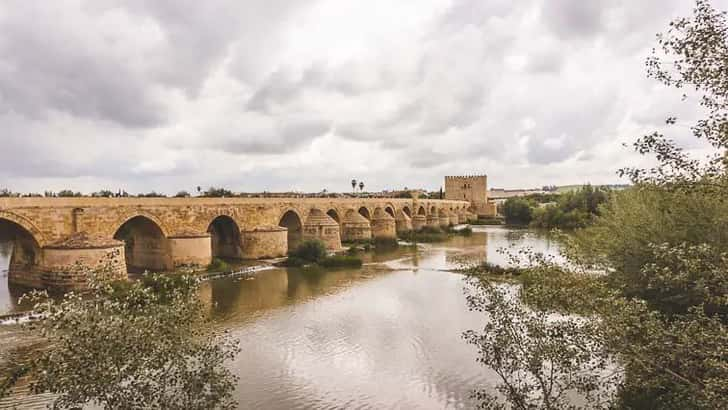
6,299
383,336
364,338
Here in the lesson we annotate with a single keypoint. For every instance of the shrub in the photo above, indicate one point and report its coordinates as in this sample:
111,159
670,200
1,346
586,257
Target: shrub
386,243
341,261
218,265
312,250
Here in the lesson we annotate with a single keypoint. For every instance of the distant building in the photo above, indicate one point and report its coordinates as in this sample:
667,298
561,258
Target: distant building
499,195
471,188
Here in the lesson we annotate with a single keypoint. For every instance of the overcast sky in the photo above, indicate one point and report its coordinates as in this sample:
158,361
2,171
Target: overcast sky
277,95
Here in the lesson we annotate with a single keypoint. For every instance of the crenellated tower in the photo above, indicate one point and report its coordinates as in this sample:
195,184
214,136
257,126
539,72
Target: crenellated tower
472,188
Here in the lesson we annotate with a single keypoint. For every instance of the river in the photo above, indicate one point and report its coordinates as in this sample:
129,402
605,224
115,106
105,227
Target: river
384,336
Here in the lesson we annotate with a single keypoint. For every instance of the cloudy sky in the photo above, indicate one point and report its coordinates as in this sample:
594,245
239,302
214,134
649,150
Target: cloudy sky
278,95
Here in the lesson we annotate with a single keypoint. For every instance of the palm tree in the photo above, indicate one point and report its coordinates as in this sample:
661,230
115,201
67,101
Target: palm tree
353,185
361,186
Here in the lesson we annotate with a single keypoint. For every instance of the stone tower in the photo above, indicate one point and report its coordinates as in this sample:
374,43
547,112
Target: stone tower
472,188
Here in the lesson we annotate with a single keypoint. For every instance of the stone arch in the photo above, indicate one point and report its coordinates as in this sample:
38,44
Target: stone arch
291,220
131,215
422,211
334,214
145,244
433,210
364,211
390,210
26,224
407,211
19,246
225,237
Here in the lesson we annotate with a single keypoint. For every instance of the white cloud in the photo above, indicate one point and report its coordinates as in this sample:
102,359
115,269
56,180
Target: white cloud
278,95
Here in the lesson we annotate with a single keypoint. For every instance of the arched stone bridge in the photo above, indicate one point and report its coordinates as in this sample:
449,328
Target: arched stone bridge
51,235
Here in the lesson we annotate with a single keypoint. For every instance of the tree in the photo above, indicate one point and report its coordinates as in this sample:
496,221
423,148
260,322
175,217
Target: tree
68,193
182,194
213,192
517,211
353,185
361,186
651,274
142,344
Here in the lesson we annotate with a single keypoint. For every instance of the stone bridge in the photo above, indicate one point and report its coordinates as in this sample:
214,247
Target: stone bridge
56,238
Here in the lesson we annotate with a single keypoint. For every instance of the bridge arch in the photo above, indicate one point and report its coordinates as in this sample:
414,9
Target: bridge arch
407,211
26,224
225,238
291,220
334,214
433,210
422,211
145,244
364,211
389,208
22,250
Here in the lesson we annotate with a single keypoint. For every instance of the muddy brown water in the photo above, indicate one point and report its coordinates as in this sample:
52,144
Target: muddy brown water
384,336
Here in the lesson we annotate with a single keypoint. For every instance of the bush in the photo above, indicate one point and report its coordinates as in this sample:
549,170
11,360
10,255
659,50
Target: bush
218,265
517,211
426,235
312,250
292,262
386,243
341,261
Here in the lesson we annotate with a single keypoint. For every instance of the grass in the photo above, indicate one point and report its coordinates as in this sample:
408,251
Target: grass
218,265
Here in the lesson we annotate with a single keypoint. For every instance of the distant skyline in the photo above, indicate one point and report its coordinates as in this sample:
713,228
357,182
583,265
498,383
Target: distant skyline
288,95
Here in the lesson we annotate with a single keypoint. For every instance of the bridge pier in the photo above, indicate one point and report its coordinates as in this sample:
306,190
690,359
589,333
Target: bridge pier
383,225
265,242
190,249
69,264
454,220
320,226
403,222
355,227
433,221
444,220
419,222
462,216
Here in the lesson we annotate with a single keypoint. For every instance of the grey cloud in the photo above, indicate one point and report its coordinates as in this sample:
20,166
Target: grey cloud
59,68
574,18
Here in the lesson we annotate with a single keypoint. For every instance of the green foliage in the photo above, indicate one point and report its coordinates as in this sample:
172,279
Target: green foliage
213,192
218,265
540,358
144,344
517,211
104,193
68,193
152,194
495,220
574,209
182,194
341,261
312,251
425,235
